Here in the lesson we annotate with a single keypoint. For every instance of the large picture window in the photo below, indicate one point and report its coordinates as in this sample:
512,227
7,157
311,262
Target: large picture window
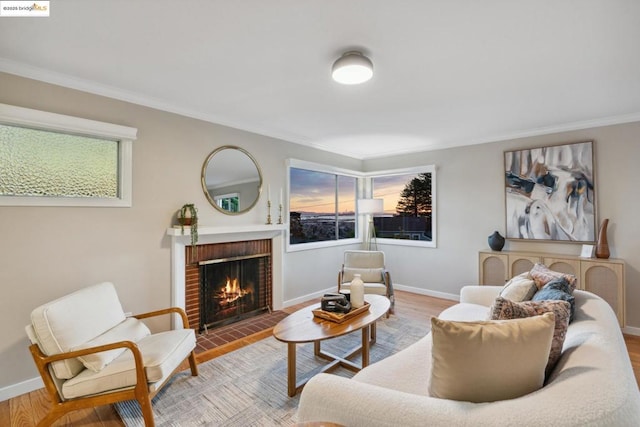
49,159
409,206
322,205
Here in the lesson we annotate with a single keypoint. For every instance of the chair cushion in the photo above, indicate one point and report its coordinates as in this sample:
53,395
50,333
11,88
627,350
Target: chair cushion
489,361
130,330
369,288
374,275
162,353
73,320
364,259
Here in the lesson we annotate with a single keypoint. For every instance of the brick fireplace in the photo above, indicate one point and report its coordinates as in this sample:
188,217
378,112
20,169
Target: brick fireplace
227,282
185,273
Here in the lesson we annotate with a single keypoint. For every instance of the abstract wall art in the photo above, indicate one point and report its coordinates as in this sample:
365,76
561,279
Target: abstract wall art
551,193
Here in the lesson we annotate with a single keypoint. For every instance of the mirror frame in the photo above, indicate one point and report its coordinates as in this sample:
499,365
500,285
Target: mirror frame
204,182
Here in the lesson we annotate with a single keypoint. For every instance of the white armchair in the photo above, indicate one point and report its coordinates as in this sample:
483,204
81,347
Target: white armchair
371,267
89,353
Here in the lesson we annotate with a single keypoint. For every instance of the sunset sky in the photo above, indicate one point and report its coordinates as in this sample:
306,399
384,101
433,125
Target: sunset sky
314,191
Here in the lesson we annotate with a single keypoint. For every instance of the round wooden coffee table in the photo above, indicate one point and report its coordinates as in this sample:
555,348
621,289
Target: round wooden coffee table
302,327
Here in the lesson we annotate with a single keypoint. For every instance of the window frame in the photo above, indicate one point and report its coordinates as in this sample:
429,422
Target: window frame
229,196
407,171
317,167
11,115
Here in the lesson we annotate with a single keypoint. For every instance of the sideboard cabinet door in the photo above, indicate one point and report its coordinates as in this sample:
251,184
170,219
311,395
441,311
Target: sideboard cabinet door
605,278
494,268
521,262
563,265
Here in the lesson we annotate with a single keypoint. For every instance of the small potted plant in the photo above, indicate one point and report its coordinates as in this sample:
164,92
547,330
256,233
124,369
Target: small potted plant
188,216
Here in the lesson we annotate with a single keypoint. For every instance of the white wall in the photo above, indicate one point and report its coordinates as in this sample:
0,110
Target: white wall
47,252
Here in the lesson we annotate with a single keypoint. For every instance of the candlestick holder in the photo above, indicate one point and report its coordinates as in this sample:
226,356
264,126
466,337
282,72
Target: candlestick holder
269,212
280,214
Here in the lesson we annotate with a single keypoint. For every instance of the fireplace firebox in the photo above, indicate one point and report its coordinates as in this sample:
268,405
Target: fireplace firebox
233,288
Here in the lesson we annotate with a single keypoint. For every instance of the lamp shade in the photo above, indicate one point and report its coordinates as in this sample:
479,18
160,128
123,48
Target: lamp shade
352,68
370,206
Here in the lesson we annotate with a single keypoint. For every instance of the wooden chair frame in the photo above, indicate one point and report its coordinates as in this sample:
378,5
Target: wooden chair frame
139,392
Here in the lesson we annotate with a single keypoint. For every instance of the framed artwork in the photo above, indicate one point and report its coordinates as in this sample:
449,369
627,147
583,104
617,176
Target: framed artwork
551,193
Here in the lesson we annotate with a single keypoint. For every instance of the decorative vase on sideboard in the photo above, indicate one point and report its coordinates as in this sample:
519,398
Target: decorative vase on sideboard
602,246
496,241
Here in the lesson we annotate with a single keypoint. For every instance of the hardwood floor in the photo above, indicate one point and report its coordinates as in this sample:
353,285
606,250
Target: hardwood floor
26,410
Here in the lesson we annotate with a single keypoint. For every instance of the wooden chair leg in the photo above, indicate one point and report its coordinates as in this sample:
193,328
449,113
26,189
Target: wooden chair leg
147,411
192,364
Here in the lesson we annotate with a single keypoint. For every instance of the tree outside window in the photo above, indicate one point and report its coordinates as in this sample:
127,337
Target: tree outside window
408,206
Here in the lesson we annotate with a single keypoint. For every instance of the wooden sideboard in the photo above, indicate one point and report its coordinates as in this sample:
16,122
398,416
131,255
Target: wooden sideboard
603,277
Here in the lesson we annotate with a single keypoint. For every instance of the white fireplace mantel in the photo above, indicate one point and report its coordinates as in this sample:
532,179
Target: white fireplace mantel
222,234
205,231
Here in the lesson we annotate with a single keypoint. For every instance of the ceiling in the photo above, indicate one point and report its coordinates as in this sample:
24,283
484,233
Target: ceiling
446,73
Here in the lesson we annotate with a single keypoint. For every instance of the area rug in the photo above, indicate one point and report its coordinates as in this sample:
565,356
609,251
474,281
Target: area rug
248,387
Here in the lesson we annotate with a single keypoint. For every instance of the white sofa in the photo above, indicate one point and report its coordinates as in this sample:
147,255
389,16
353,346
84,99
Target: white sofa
593,384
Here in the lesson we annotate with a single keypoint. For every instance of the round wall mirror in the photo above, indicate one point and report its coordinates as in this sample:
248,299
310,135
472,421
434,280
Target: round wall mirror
231,180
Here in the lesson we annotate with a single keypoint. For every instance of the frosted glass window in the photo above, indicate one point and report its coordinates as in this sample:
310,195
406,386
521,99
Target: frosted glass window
49,159
42,163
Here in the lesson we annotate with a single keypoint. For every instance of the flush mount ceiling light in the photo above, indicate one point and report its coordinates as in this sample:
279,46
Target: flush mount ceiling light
352,68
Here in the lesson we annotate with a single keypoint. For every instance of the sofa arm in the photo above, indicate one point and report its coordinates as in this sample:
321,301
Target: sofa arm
482,295
348,402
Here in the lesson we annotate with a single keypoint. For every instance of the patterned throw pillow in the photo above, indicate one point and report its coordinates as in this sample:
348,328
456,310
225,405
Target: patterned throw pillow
503,309
557,289
541,274
519,288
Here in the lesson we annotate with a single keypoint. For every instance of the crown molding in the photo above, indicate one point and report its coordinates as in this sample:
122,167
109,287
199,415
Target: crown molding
60,79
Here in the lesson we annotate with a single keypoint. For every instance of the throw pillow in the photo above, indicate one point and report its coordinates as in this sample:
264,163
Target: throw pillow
541,274
131,329
368,275
489,361
519,288
557,289
503,309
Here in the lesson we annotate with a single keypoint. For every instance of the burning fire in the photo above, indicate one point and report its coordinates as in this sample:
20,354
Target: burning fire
231,292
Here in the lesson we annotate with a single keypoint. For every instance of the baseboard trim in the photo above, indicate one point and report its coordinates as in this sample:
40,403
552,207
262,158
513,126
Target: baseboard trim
9,392
630,330
308,297
411,289
421,291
